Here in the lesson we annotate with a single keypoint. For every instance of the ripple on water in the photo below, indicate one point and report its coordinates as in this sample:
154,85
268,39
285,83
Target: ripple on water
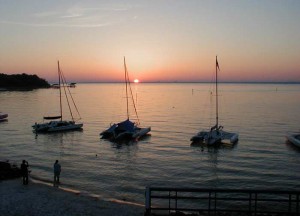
261,159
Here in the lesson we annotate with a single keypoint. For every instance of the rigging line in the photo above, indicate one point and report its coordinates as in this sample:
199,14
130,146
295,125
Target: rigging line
210,108
64,85
125,68
133,99
217,105
210,96
71,96
58,70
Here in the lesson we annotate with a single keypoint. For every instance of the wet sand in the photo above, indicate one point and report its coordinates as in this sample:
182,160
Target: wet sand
38,199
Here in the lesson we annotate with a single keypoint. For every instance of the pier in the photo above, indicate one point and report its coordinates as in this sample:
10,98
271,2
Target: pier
198,201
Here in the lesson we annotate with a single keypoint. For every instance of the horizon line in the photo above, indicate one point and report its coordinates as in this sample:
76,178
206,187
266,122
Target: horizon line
187,82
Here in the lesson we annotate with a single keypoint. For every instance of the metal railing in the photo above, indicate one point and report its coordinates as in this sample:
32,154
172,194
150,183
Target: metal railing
166,201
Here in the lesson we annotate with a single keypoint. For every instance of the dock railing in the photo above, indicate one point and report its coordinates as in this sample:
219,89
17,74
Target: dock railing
166,201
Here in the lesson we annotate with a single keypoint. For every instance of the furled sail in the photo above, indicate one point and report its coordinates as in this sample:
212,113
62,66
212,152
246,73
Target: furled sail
51,117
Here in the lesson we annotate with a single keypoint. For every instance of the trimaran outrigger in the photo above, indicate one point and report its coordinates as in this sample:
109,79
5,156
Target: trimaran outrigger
59,125
294,139
216,134
126,130
3,116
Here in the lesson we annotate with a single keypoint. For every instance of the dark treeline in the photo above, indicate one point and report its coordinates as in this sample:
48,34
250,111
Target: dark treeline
22,82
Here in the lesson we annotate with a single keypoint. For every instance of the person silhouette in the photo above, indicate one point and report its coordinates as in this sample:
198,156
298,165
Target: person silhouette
24,172
57,170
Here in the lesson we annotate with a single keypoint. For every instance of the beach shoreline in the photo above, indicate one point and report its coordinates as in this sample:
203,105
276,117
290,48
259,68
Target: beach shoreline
43,199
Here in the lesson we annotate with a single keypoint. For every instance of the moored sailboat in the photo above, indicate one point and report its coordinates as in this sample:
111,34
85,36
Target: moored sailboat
126,130
3,116
216,135
294,139
59,125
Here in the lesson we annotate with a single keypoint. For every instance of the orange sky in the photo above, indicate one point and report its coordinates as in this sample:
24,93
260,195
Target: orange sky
162,40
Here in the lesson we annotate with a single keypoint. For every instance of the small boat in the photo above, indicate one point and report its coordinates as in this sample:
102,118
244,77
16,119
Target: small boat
59,125
56,86
3,116
294,139
216,135
125,130
72,85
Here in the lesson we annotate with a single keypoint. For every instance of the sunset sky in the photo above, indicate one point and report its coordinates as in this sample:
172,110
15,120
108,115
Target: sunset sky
162,40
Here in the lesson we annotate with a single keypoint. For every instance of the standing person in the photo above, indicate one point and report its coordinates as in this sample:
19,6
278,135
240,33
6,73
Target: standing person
24,171
57,170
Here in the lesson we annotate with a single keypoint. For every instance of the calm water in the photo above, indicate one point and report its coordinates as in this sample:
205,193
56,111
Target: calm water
261,113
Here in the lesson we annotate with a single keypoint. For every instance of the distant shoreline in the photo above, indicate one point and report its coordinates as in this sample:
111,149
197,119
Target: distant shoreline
291,83
21,82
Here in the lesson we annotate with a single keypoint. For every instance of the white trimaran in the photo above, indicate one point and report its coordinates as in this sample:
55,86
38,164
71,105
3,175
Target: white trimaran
216,134
126,130
59,125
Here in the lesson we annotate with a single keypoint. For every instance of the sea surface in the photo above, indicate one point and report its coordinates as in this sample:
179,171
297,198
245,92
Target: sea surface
262,114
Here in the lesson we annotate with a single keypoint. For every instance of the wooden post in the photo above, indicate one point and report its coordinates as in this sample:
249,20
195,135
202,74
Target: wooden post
148,202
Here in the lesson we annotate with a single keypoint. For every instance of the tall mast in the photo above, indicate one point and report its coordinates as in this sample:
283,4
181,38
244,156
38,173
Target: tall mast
217,108
59,81
126,87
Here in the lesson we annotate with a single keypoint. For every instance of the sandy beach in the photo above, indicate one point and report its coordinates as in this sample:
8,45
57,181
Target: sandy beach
38,199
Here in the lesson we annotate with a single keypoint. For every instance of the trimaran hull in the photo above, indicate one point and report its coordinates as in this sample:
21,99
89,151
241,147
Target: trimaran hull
214,138
294,139
3,116
137,134
56,126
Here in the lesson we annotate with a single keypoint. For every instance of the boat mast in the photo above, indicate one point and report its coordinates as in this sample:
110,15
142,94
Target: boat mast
59,77
217,108
126,87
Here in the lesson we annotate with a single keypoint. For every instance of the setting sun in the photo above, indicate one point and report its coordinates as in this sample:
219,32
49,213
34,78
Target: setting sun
136,81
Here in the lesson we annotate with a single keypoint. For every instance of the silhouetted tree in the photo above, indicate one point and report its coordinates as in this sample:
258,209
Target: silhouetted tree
22,82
